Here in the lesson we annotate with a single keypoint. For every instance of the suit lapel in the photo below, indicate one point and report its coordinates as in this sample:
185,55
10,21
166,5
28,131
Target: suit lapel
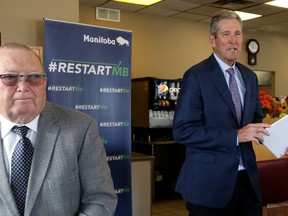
247,81
6,195
44,145
218,78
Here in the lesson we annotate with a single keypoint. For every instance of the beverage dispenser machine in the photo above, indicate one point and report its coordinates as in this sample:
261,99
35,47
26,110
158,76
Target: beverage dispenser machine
153,106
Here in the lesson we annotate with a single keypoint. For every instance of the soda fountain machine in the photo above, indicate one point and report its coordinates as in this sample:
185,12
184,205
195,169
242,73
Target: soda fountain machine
153,106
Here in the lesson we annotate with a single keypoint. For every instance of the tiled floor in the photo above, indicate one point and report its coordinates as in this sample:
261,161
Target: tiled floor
173,206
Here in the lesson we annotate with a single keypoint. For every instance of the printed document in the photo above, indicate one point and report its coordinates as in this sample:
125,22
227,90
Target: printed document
278,139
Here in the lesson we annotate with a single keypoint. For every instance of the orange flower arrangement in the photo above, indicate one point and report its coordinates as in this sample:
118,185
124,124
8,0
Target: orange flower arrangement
273,107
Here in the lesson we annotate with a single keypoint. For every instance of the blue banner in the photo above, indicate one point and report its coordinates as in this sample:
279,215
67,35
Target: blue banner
89,69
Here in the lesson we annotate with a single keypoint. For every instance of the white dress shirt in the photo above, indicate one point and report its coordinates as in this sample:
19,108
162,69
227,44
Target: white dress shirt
10,138
240,84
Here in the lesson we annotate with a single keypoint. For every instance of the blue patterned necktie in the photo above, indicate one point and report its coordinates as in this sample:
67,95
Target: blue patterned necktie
237,103
20,167
235,93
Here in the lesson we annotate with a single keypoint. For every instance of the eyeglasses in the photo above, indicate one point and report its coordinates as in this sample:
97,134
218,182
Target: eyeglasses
14,79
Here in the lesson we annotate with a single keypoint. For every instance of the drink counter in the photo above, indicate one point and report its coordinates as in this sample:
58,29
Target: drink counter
142,184
168,159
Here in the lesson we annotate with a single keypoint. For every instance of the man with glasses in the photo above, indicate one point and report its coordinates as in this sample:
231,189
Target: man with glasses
52,161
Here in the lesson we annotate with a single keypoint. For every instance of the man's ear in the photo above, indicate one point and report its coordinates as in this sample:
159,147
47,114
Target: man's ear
212,40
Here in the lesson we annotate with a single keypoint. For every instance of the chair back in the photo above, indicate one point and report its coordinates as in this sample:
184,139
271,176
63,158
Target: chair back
273,176
277,209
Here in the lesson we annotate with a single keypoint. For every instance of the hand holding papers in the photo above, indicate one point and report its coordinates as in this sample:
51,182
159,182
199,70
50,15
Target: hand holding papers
278,139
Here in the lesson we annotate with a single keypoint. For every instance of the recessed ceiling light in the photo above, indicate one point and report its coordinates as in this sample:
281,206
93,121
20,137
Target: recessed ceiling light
247,16
140,2
278,3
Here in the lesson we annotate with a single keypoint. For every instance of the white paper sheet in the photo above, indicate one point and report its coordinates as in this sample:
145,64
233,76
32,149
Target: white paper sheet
278,139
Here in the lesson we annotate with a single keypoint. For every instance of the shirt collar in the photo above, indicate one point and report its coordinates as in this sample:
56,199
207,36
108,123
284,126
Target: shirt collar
7,125
222,64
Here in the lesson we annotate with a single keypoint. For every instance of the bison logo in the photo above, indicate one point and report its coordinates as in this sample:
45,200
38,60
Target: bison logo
121,41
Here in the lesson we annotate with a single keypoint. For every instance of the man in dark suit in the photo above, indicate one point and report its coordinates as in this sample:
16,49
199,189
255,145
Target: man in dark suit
69,174
219,176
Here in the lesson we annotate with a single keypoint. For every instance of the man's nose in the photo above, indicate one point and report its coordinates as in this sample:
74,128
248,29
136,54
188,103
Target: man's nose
22,84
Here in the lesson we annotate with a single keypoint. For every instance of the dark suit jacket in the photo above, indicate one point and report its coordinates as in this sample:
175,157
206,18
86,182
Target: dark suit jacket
69,173
205,121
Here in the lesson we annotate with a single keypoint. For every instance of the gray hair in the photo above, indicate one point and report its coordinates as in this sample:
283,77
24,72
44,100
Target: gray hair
222,14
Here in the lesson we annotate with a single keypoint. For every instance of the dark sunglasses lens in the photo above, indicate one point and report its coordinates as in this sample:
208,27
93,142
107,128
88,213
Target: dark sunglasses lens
32,79
35,79
10,79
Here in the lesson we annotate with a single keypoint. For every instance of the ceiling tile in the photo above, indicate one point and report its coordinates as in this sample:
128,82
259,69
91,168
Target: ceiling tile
176,5
158,11
92,2
263,9
123,6
200,1
204,10
233,5
189,16
273,23
260,1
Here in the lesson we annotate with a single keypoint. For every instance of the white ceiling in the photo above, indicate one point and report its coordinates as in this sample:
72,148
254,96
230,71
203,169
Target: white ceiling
274,19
